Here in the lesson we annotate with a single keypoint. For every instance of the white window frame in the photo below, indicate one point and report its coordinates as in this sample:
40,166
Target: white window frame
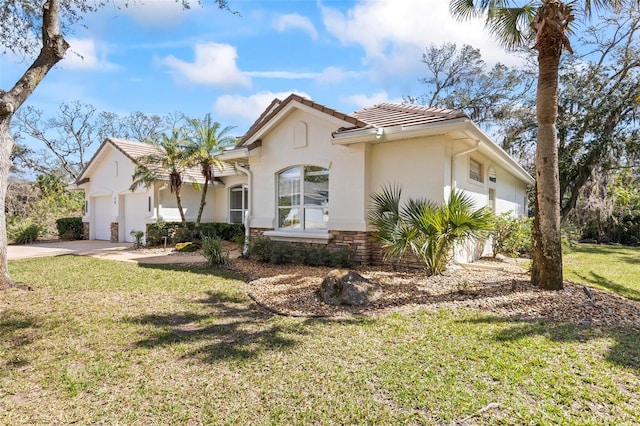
245,194
480,173
302,208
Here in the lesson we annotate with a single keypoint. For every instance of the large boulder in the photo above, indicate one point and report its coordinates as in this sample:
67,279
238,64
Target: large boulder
342,287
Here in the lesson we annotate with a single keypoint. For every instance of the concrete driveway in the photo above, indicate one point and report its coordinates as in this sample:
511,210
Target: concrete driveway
102,249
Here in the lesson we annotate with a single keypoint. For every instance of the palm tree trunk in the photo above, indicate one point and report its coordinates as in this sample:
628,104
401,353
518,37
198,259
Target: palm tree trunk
547,247
179,203
203,200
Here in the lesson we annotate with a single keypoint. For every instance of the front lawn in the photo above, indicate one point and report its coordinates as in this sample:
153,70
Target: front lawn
103,342
615,268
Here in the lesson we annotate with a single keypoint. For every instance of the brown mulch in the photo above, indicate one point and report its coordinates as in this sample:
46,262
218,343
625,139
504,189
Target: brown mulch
292,290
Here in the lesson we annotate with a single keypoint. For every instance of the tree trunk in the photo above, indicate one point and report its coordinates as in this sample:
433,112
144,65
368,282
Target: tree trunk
53,49
547,245
6,143
203,201
179,203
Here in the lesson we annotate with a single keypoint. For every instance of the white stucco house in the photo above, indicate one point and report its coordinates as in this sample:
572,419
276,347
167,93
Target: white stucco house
112,210
305,173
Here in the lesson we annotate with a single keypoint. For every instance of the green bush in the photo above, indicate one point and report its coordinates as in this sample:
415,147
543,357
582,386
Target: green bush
278,252
512,236
188,247
213,251
69,228
177,232
24,232
424,229
138,235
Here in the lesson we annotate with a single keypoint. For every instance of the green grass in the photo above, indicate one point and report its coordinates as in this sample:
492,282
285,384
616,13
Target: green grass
101,342
615,268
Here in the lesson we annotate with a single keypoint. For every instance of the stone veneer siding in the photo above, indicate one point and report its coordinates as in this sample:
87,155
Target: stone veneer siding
86,228
114,232
357,241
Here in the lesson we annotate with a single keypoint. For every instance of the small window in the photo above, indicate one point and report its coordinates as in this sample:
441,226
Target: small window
115,169
492,199
149,203
475,170
492,175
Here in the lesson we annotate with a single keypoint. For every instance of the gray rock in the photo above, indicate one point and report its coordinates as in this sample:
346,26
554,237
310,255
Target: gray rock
342,287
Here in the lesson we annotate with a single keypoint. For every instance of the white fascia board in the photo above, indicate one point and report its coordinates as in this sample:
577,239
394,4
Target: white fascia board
383,134
285,112
236,154
507,161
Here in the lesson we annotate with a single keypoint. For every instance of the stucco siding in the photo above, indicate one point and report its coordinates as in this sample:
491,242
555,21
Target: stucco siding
284,147
417,165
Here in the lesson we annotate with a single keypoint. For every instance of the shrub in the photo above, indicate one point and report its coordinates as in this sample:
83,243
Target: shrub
177,232
424,229
138,238
69,228
278,252
213,251
188,247
512,236
24,232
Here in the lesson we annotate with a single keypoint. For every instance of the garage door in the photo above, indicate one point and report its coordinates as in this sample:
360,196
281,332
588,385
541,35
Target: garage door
102,217
135,211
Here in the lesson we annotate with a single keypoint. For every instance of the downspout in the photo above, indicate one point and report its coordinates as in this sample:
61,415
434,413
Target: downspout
453,161
247,229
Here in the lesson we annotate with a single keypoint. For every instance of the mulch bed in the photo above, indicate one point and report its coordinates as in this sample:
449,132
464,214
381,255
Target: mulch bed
292,290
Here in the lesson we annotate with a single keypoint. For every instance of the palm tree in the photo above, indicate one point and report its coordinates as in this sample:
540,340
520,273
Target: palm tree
543,24
207,141
425,229
170,161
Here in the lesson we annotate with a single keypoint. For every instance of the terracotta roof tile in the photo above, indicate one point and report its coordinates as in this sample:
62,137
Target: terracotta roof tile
390,115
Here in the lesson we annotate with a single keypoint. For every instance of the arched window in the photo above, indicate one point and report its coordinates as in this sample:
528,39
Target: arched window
238,203
303,198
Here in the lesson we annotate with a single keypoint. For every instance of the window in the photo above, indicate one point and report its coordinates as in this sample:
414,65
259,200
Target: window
238,203
492,199
475,170
492,175
303,198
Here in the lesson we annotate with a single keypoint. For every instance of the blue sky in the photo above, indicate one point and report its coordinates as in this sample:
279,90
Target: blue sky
158,59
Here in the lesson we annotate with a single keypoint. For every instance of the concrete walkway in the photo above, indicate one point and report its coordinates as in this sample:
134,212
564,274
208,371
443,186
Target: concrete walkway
103,249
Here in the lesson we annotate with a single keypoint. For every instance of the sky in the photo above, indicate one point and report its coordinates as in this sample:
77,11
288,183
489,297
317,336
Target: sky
156,58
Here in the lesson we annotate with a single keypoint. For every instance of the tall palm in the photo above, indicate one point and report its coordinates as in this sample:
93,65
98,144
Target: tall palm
207,140
543,25
169,162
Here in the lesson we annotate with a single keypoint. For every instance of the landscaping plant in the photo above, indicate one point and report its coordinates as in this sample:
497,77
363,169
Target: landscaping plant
214,252
425,229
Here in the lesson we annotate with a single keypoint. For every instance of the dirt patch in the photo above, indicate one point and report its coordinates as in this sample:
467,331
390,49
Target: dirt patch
292,290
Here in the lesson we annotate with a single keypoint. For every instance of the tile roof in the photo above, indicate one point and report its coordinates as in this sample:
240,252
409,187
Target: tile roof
277,105
391,115
380,115
135,150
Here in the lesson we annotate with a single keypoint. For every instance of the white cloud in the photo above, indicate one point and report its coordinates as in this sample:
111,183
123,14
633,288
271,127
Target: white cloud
286,75
157,13
214,64
244,110
294,21
394,33
363,101
334,75
85,54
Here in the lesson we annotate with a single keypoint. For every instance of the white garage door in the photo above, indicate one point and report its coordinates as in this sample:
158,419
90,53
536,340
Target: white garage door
102,217
136,209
